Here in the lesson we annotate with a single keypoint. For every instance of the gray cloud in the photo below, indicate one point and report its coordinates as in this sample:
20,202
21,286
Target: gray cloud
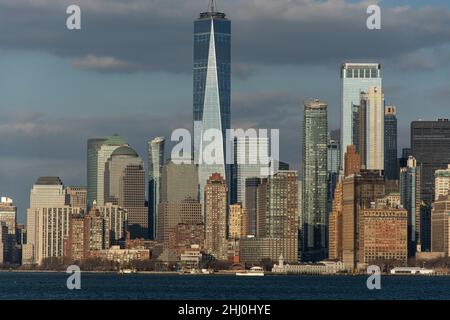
155,35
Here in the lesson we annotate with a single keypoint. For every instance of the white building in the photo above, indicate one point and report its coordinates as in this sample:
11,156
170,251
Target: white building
442,182
320,268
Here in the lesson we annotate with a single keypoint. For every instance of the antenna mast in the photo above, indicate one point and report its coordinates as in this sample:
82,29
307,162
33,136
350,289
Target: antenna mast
212,6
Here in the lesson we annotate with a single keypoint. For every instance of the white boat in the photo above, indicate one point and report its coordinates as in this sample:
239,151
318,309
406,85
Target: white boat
127,271
253,272
412,271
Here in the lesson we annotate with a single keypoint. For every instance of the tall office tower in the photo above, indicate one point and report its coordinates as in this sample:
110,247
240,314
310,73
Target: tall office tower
335,226
125,186
47,221
216,217
355,77
442,183
373,100
251,201
93,146
278,212
410,197
314,173
179,200
440,222
358,192
383,235
179,182
352,162
238,222
155,165
8,215
430,144
76,197
212,91
391,169
251,160
333,168
104,153
116,221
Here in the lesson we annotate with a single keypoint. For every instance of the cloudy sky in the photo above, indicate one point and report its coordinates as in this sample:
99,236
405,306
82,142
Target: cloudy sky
128,71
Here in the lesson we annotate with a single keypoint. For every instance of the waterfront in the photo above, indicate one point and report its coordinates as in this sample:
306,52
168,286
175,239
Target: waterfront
29,285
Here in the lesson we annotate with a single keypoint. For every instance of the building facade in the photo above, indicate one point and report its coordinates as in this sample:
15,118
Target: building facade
430,144
155,165
314,173
391,168
216,217
212,91
355,77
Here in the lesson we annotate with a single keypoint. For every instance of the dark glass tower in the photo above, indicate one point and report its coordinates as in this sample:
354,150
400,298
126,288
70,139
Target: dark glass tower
391,170
212,84
430,144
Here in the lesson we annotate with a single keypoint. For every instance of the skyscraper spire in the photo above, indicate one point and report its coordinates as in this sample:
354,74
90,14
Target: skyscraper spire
212,6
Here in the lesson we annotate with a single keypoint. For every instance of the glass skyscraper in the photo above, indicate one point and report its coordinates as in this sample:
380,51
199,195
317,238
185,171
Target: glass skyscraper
155,165
211,88
314,174
355,77
391,168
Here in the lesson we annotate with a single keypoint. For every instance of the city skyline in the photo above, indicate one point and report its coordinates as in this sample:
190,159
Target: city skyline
31,120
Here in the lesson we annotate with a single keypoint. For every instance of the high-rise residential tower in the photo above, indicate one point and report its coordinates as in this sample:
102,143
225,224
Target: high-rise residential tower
155,165
216,216
314,169
278,212
212,91
410,197
355,77
391,169
430,144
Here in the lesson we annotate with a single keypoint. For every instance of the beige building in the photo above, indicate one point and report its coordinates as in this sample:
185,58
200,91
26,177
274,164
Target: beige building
277,213
124,179
373,99
8,214
47,221
76,197
335,226
383,234
359,191
123,256
216,217
442,182
440,220
238,222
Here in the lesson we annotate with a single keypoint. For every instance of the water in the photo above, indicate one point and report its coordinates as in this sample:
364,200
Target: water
140,286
